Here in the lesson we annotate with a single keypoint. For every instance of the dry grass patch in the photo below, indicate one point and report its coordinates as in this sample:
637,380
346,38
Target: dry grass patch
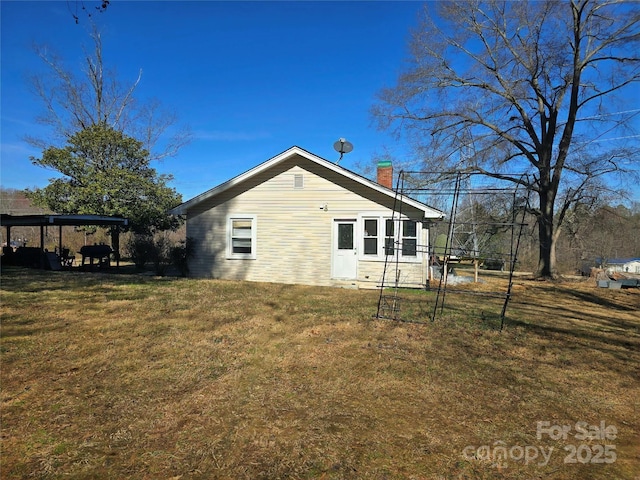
114,376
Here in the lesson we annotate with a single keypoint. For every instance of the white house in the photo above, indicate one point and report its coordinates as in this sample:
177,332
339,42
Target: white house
298,218
624,265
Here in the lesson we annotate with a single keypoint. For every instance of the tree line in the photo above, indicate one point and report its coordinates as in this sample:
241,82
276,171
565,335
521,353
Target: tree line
600,234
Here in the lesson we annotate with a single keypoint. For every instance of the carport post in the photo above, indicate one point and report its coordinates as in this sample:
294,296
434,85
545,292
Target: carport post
115,232
42,246
60,240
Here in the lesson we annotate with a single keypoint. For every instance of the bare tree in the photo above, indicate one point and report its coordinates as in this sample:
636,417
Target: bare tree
528,86
74,103
608,232
77,6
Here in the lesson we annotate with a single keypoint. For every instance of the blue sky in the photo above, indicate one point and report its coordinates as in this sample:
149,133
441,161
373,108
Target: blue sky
250,79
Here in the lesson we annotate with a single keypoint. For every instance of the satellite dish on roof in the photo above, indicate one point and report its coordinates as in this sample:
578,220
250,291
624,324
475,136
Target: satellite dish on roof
342,146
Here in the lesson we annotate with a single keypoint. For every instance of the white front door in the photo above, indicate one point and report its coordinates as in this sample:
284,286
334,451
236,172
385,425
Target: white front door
344,263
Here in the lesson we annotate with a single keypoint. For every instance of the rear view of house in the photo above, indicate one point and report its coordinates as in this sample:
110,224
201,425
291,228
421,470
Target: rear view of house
298,218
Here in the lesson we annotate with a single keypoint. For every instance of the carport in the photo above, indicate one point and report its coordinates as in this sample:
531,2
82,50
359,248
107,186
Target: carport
52,220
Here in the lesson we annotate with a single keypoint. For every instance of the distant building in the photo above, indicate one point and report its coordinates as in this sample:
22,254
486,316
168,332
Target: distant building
623,265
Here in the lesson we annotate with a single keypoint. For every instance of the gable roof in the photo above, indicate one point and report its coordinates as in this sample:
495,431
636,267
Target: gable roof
181,209
622,261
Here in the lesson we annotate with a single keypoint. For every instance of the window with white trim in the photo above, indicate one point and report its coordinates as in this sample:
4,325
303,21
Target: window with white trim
389,237
382,236
409,238
241,237
371,236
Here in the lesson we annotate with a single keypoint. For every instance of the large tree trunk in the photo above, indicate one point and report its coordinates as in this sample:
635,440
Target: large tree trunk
547,239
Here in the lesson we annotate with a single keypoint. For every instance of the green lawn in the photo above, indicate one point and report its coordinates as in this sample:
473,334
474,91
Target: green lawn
125,376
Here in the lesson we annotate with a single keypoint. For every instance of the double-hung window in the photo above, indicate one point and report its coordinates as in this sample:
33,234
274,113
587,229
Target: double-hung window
384,236
409,238
241,237
371,236
389,237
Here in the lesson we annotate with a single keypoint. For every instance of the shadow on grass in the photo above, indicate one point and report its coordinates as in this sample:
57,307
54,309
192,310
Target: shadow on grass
485,316
563,313
28,328
623,345
592,298
19,279
577,322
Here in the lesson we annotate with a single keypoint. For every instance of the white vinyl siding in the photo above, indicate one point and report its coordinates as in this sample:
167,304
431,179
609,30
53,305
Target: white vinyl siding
292,227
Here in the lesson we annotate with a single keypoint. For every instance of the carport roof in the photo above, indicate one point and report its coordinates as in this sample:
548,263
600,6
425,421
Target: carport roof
7,220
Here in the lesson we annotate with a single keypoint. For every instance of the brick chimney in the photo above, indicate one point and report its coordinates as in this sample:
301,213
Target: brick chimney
385,173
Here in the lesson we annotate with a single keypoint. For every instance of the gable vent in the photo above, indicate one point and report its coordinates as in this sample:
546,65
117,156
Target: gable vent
298,181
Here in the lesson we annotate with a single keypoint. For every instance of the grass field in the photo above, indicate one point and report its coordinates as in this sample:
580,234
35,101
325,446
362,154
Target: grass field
124,376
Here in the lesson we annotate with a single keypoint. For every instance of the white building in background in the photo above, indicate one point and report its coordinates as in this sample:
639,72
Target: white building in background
624,265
